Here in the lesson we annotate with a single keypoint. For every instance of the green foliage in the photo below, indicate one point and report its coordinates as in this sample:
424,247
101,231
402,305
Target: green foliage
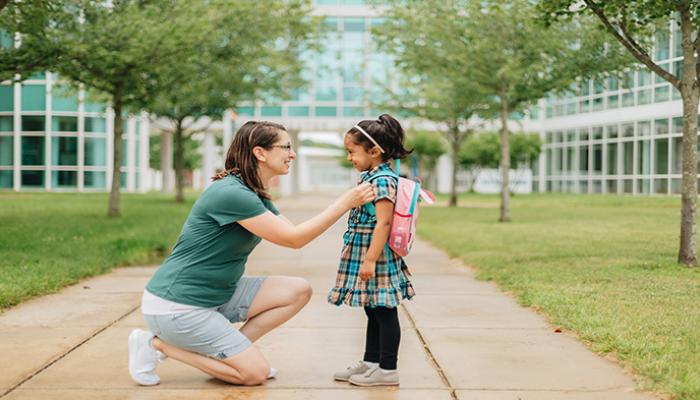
600,266
484,150
427,147
192,156
49,241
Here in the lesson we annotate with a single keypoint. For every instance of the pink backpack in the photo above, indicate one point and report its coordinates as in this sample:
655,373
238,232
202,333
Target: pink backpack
403,225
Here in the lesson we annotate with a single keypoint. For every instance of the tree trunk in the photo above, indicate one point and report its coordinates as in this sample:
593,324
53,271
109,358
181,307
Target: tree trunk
454,142
113,210
505,160
179,163
687,252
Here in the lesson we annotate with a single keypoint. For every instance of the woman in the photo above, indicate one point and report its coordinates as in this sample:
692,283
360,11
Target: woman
195,295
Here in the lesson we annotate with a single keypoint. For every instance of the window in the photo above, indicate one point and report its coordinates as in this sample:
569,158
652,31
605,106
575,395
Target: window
662,93
661,127
271,111
612,158
95,180
64,151
326,111
93,124
32,179
33,98
33,123
95,152
644,155
64,179
7,124
661,156
6,150
63,101
298,111
7,98
32,150
628,158
64,124
6,179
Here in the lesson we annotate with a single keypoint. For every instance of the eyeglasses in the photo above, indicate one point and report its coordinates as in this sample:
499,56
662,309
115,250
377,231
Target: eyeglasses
287,146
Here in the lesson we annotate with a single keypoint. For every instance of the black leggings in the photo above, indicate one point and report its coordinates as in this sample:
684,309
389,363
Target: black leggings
383,336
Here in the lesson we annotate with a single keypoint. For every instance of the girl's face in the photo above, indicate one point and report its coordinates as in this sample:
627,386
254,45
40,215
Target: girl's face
362,159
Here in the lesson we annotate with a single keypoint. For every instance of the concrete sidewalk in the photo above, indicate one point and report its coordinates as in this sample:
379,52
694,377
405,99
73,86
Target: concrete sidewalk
461,339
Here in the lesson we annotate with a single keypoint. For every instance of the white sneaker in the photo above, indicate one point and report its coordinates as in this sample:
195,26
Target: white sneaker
273,373
143,358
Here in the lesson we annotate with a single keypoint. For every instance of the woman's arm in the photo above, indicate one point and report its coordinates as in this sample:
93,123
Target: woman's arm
385,212
279,230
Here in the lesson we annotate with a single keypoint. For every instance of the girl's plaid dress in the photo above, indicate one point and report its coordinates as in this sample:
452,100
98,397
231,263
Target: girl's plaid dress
390,284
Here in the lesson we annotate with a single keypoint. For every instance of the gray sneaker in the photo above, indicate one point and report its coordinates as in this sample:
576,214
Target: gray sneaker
358,368
375,377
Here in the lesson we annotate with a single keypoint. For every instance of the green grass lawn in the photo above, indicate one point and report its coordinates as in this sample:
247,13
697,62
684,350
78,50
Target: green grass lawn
48,241
601,266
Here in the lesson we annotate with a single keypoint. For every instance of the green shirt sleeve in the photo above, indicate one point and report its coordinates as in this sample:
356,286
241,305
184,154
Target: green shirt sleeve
233,203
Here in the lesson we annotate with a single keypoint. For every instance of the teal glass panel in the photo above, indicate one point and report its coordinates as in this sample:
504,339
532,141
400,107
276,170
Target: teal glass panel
271,111
662,93
644,97
64,179
246,111
64,151
353,111
6,40
33,123
94,107
32,179
354,24
6,179
7,98
95,180
33,150
662,45
122,180
7,123
297,111
6,150
326,111
95,124
325,2
95,152
352,94
61,102
64,124
33,98
124,154
327,93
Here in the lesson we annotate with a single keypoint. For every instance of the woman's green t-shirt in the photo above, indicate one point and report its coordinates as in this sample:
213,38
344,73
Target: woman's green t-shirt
210,254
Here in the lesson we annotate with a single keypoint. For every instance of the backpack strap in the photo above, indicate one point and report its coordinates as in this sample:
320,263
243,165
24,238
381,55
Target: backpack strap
370,206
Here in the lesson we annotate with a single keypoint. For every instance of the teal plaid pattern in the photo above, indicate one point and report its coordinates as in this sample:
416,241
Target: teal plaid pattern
390,284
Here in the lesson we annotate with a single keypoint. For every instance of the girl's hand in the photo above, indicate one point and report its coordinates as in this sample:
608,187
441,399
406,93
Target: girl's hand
357,196
367,270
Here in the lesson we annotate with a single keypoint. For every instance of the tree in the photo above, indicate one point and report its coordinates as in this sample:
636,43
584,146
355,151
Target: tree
234,63
428,147
484,151
518,60
30,20
434,61
117,48
634,24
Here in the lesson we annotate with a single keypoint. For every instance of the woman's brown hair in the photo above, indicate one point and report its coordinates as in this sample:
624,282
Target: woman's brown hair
240,159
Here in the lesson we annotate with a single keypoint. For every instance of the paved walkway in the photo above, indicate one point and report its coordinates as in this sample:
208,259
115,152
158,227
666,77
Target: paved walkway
461,339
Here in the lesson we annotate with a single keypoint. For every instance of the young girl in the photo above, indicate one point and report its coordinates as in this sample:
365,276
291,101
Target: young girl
370,274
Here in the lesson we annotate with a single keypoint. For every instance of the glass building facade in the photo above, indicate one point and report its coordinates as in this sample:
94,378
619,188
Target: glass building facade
622,134
53,139
343,75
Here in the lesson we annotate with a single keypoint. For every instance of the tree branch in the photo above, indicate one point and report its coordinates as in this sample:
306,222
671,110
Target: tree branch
632,45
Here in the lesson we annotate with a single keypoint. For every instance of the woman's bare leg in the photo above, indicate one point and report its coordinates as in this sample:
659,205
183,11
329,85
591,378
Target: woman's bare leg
278,300
246,368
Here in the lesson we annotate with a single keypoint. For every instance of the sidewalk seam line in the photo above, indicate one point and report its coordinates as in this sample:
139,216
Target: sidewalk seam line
453,392
70,350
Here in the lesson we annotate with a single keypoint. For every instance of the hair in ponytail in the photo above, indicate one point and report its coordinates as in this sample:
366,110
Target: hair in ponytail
240,159
387,132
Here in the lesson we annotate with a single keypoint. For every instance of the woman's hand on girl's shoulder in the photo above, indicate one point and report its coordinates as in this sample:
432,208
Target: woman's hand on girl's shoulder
357,196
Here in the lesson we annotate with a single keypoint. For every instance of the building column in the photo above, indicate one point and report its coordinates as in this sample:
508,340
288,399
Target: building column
166,162
444,174
144,152
209,159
